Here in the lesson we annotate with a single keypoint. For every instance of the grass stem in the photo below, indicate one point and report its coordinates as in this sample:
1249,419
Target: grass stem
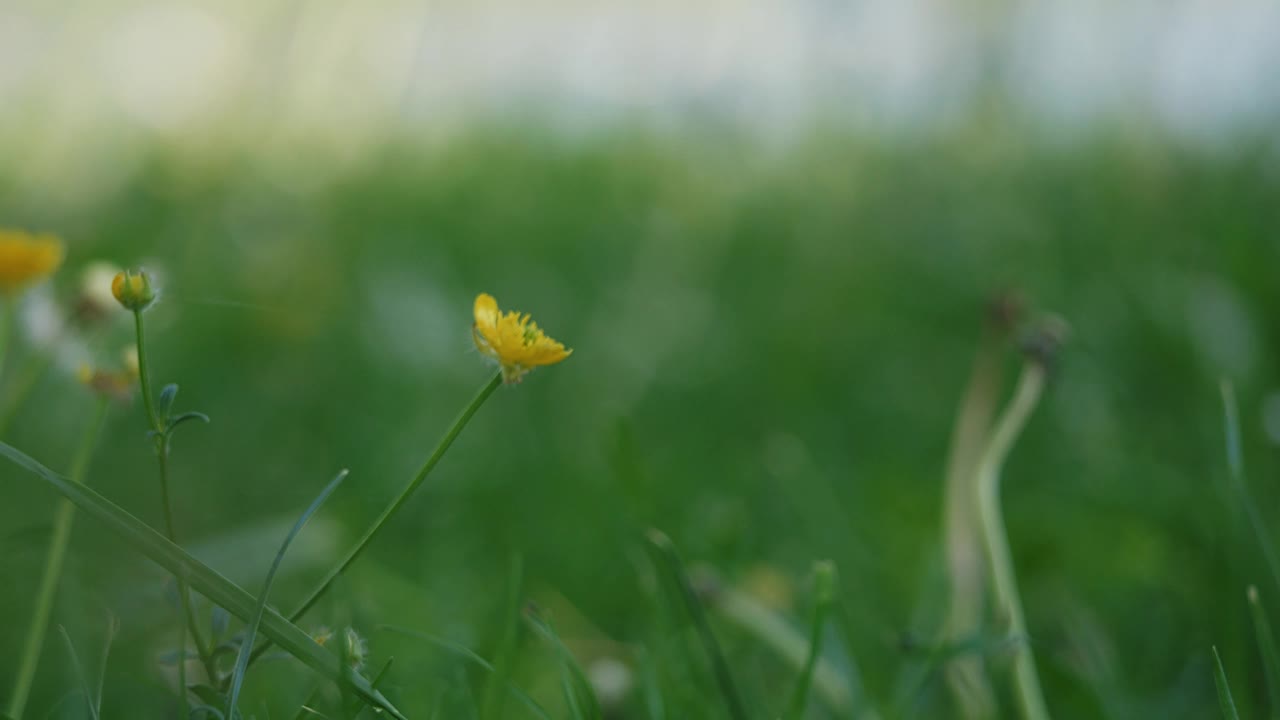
65,515
1005,586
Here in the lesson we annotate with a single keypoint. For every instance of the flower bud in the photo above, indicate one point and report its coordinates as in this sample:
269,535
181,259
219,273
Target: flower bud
133,291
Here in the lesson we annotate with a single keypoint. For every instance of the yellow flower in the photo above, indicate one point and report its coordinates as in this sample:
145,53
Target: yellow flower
513,340
26,259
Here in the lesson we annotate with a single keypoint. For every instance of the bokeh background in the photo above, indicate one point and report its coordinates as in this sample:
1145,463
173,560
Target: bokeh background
768,230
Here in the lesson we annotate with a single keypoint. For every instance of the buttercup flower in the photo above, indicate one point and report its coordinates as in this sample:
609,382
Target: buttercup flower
26,259
133,290
116,384
513,340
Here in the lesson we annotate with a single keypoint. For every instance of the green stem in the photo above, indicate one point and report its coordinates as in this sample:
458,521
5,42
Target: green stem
161,439
53,569
24,382
1008,604
824,590
8,312
382,519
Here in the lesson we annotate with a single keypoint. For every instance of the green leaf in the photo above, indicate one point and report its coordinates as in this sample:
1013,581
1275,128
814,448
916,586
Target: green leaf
470,655
1267,648
668,563
824,593
113,627
1225,701
251,632
164,404
79,672
492,706
184,417
578,692
204,579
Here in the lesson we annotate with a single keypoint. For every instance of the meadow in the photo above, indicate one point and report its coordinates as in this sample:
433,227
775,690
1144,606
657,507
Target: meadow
771,343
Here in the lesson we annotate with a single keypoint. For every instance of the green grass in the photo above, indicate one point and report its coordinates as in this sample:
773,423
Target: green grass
770,344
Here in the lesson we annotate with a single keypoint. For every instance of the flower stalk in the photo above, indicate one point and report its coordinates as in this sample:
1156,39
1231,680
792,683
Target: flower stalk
1008,604
63,519
160,437
394,507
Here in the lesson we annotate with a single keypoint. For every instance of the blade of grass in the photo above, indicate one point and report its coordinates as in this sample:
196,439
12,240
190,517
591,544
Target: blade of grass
113,627
471,656
668,560
1267,648
1225,701
379,522
494,697
79,672
573,682
204,579
1235,467
48,588
824,581
251,632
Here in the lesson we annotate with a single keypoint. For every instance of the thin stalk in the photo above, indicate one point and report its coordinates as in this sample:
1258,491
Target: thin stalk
63,518
824,591
445,442
161,440
8,312
1235,466
670,561
24,382
1005,586
966,674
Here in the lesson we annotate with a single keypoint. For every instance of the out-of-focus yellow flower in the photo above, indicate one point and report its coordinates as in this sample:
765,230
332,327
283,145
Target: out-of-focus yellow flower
116,384
133,290
513,340
26,259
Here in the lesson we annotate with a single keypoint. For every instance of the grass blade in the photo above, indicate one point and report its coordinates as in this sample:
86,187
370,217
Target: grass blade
113,627
251,632
1235,466
824,581
79,671
471,656
1267,648
494,698
577,689
669,560
1225,701
204,579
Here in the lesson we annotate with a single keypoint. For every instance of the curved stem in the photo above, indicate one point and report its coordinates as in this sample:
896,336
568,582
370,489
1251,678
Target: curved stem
452,434
8,313
161,439
1005,585
53,569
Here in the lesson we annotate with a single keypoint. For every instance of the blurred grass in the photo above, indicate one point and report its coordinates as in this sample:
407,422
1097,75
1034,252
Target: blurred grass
770,341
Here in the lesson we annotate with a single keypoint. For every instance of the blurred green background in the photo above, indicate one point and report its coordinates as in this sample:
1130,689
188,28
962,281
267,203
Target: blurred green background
772,330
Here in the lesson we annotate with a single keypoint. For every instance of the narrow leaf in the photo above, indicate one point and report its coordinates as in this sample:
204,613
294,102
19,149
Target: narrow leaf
164,404
1267,648
113,627
251,632
577,689
469,655
204,579
669,563
79,672
1225,702
824,582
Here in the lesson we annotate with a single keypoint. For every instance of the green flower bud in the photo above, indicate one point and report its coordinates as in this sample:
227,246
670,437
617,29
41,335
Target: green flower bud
133,291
